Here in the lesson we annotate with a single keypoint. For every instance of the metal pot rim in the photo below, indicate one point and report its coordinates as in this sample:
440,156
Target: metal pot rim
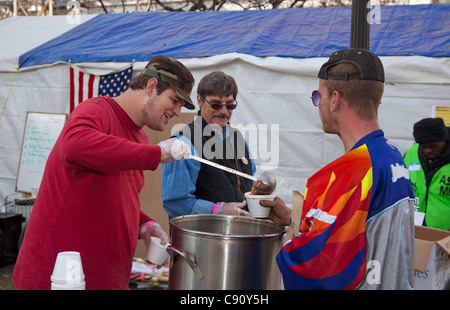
173,224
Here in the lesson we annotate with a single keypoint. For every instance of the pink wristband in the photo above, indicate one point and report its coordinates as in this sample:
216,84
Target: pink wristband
214,210
145,226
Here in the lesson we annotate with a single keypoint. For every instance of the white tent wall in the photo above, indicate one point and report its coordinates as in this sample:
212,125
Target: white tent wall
25,90
274,103
20,34
41,90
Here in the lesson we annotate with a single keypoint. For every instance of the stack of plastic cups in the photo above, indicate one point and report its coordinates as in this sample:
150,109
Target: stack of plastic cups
68,272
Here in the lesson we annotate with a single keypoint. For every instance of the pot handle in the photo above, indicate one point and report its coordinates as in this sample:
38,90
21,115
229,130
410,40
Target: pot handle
171,249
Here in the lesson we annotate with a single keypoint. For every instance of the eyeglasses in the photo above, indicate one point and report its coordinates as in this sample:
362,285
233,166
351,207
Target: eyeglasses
217,105
315,97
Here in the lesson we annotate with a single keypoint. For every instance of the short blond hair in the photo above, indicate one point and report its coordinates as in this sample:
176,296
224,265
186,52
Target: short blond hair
363,96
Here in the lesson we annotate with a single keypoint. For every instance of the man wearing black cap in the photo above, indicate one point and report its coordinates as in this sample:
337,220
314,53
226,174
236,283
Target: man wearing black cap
428,162
88,199
357,226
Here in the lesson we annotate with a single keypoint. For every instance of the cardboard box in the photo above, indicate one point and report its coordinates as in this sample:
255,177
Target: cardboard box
296,215
431,259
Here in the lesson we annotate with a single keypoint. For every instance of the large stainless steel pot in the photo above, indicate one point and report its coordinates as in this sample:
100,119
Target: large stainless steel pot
224,252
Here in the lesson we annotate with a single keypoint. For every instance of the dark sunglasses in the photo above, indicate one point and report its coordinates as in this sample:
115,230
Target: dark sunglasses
216,105
315,97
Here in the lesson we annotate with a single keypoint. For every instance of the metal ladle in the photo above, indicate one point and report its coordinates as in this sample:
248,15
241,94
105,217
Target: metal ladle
265,187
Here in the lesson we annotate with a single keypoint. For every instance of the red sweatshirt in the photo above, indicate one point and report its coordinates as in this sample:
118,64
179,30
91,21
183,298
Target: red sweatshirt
88,199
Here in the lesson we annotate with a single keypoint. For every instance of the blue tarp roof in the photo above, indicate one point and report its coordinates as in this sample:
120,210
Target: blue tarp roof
302,33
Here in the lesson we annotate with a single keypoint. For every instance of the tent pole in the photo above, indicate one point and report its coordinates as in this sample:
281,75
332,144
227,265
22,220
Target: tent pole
360,28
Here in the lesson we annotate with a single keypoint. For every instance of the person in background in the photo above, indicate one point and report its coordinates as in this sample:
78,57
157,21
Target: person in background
428,162
88,198
200,188
357,225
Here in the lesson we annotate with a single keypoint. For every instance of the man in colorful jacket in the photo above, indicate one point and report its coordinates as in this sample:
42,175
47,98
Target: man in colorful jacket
428,162
357,225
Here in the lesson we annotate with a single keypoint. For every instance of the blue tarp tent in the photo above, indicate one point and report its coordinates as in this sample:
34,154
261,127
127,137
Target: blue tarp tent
274,56
301,33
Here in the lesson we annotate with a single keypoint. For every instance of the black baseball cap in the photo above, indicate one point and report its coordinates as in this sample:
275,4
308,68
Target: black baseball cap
368,64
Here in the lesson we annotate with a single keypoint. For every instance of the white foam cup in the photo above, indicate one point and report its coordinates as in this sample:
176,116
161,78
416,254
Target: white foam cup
73,287
255,208
68,269
156,252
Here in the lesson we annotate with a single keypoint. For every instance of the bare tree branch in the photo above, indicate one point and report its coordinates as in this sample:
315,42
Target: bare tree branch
103,6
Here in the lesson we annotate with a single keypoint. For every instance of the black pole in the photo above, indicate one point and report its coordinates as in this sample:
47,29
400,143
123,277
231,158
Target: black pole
360,33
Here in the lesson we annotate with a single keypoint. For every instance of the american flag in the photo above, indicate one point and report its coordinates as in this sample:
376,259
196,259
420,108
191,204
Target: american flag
84,85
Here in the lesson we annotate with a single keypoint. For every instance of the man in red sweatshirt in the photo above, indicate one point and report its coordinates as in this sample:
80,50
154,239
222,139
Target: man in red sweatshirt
88,198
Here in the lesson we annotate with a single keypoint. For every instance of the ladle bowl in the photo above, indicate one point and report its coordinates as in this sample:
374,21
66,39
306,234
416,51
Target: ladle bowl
267,185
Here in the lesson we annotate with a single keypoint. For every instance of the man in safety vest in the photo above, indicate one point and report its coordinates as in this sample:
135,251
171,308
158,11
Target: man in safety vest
428,162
